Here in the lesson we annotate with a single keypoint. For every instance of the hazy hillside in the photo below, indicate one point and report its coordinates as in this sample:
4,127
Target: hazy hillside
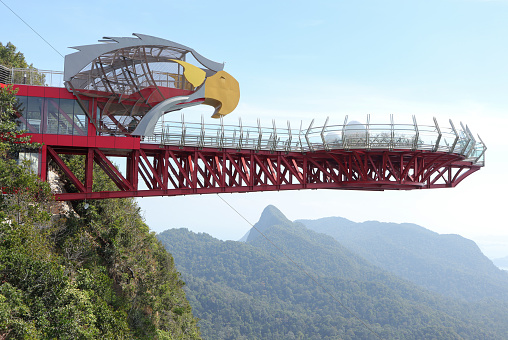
250,291
447,264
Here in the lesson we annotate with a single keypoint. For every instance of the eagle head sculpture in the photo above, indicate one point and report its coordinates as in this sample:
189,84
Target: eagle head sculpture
139,79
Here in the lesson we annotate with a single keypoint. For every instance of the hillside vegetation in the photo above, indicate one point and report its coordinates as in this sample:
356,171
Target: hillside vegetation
95,273
447,264
251,291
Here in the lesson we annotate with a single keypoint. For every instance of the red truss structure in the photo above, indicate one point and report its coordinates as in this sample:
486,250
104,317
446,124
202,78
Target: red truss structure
154,170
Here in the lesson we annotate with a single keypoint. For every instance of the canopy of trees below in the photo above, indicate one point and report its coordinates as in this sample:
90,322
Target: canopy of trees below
249,290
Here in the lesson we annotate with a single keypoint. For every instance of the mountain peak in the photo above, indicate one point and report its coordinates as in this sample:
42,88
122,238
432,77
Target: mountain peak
274,216
269,217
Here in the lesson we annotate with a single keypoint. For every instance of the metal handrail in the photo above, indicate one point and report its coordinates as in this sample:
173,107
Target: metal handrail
432,138
36,77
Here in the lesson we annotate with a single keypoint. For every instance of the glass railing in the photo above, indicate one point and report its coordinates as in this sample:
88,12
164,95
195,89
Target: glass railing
349,136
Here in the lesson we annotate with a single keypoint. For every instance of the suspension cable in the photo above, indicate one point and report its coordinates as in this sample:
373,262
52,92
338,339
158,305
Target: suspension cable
40,36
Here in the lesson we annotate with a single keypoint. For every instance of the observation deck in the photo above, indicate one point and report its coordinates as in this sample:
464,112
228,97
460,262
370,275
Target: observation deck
113,98
351,135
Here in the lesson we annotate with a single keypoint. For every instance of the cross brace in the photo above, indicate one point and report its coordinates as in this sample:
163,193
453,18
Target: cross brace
174,171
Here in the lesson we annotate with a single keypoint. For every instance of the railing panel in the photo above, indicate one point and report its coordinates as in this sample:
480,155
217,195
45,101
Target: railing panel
320,138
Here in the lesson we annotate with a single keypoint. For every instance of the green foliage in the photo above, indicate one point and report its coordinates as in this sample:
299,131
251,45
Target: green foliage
139,275
25,196
13,314
11,58
97,273
251,291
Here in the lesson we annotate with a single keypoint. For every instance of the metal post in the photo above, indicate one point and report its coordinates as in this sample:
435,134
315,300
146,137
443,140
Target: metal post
182,137
344,141
439,135
201,142
260,136
300,136
307,136
462,152
240,139
273,147
484,148
417,134
221,142
325,145
288,142
367,133
392,133
456,137
472,138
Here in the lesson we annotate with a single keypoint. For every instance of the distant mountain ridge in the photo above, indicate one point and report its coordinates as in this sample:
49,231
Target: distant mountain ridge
448,264
249,290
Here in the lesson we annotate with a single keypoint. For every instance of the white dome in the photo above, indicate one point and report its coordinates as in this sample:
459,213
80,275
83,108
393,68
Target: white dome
333,137
354,129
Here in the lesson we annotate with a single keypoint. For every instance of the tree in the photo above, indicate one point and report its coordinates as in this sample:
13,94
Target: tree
24,221
10,138
12,59
24,195
25,198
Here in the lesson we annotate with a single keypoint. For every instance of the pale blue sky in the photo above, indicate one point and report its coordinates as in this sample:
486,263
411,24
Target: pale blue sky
300,60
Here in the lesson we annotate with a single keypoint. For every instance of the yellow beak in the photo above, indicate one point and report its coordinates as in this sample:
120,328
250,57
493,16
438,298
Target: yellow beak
222,91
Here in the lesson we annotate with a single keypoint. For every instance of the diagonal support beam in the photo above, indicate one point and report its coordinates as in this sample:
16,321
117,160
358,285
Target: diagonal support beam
264,169
77,183
182,171
112,171
155,175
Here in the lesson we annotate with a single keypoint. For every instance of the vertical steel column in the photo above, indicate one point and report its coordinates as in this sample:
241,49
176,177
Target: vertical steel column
89,169
132,168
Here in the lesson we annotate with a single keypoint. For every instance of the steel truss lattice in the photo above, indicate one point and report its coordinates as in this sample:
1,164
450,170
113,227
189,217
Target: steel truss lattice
154,170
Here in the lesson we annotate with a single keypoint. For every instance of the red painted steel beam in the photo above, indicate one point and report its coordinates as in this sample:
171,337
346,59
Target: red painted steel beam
173,171
193,171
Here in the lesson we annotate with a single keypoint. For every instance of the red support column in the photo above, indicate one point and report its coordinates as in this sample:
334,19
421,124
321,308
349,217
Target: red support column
252,171
165,169
92,108
89,170
305,172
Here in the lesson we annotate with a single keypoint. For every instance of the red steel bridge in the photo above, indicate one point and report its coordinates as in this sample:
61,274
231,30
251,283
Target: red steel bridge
112,110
